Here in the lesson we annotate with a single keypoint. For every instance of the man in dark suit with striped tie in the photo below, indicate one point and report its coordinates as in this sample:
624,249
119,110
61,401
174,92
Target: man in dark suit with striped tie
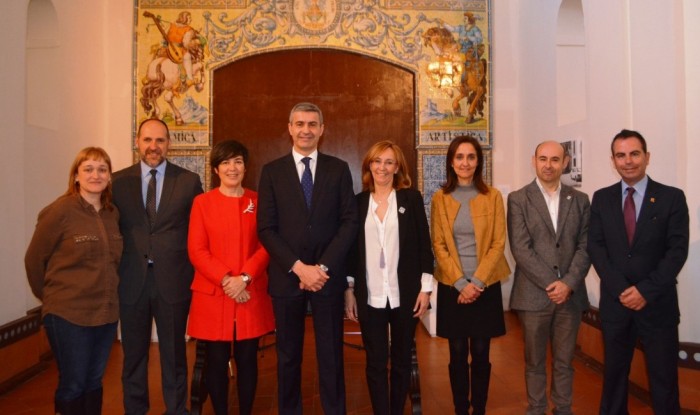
638,243
307,221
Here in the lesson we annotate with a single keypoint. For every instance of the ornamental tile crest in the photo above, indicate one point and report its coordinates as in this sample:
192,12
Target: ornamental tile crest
344,24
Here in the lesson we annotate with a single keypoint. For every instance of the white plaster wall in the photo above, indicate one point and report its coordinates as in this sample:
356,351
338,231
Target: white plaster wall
641,74
13,299
94,108
689,287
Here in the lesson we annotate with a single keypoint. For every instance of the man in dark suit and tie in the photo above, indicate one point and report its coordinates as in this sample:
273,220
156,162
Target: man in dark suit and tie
638,243
307,221
154,198
548,226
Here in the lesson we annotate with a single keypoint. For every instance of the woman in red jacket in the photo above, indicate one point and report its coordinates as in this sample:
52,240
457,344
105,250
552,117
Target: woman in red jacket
229,292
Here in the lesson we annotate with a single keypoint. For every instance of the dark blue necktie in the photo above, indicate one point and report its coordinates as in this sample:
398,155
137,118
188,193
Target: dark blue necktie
307,182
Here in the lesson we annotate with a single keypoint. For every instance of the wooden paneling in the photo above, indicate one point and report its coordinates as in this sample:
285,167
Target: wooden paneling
363,100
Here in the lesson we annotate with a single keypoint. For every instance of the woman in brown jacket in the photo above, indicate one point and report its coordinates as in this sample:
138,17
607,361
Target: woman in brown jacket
469,235
71,265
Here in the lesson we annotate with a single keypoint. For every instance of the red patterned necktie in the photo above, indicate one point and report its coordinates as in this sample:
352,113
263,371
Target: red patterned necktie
630,213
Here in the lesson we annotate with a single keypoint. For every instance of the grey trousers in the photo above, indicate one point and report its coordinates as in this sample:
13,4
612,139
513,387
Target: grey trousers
556,325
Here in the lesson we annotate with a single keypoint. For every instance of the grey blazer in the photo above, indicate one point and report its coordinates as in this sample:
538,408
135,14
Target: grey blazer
542,255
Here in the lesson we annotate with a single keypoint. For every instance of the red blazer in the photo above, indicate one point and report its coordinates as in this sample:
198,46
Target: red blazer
223,239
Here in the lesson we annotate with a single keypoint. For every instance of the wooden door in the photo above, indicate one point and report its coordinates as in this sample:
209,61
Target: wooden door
363,100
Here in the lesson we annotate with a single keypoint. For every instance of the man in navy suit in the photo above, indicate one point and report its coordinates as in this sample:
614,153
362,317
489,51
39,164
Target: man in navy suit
638,243
155,272
307,221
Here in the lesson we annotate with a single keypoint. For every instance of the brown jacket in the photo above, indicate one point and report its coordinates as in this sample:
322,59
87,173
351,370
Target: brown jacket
489,221
72,261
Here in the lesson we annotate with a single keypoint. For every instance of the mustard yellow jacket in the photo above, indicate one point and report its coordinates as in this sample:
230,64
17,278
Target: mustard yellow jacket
489,221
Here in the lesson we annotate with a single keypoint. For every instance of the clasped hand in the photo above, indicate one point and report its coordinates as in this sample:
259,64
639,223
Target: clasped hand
558,292
469,294
311,277
235,288
633,299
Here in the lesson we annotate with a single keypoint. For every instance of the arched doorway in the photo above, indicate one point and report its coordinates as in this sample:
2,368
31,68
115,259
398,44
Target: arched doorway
363,100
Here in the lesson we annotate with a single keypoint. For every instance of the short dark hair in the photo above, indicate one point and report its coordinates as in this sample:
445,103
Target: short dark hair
452,180
224,150
306,107
159,121
628,134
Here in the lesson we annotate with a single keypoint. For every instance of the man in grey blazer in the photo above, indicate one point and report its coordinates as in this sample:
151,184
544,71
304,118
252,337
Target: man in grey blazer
155,272
548,226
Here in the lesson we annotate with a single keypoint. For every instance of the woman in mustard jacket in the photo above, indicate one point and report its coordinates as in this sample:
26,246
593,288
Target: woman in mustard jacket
229,291
469,236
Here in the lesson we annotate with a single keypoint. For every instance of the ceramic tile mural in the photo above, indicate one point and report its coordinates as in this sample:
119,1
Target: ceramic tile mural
446,43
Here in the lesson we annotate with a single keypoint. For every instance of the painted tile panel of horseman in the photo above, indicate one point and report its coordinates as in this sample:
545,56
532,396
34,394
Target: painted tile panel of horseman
171,81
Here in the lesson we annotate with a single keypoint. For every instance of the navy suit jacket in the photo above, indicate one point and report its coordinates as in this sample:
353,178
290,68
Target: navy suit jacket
652,263
415,249
167,241
290,231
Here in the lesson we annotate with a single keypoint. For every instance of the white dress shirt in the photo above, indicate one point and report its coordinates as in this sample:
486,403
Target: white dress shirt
552,201
382,283
300,164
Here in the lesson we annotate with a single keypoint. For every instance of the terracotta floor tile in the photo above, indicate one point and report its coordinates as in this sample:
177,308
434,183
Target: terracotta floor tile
506,395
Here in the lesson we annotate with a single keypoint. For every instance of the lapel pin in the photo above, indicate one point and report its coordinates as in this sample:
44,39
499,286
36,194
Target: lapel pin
402,210
652,200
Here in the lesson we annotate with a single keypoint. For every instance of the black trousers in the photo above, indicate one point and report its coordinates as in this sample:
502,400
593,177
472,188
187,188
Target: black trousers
388,391
661,356
216,376
327,314
171,322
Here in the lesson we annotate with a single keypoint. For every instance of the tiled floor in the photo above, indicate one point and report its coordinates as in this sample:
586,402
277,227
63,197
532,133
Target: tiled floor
506,396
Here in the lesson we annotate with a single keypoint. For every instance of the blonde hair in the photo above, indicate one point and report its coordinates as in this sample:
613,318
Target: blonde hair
402,178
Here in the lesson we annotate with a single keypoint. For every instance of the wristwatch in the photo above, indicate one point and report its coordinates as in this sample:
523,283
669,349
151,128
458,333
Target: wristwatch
246,278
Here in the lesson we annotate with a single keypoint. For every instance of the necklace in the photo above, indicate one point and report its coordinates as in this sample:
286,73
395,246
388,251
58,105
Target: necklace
381,230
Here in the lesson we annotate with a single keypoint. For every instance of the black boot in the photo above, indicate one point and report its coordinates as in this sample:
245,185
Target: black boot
93,402
74,407
481,376
459,382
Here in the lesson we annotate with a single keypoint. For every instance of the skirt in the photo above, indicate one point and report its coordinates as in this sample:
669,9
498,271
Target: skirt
482,318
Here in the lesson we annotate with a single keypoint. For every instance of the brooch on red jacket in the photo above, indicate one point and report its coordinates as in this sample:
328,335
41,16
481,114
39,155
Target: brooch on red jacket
250,208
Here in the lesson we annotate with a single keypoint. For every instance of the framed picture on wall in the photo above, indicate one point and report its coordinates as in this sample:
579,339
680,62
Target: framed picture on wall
573,173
